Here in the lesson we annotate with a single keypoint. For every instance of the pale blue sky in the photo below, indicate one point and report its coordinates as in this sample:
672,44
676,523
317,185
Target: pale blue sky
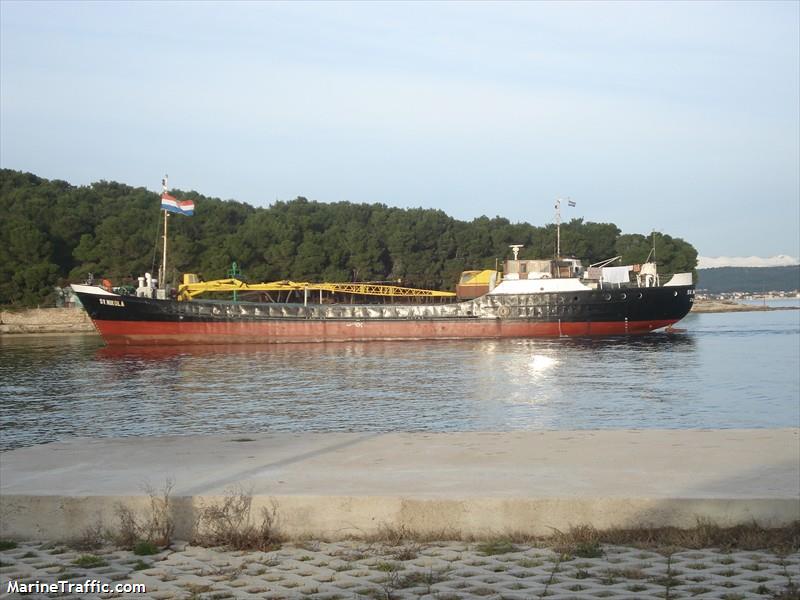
683,117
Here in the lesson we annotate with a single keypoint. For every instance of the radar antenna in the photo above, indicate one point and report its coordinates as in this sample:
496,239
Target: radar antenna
515,248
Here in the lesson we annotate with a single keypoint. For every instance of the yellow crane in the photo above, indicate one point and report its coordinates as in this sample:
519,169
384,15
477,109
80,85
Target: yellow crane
193,287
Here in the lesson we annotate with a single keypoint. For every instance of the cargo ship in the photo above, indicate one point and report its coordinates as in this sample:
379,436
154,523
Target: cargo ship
528,298
529,305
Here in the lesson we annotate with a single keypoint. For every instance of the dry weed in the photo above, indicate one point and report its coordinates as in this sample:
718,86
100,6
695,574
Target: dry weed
230,523
586,540
157,527
92,537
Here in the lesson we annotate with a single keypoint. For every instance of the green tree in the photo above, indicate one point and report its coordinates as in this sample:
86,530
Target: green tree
54,233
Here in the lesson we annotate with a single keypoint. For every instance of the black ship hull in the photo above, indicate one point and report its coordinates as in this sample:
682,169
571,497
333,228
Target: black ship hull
137,321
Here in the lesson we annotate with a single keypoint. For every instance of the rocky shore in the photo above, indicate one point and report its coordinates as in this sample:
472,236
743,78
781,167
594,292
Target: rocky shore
718,306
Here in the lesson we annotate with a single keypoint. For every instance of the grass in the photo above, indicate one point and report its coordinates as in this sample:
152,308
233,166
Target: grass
495,547
7,545
667,581
588,550
89,561
627,573
145,548
419,578
141,565
528,563
582,574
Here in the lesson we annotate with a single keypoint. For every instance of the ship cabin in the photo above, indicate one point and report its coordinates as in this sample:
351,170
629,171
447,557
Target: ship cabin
542,269
516,272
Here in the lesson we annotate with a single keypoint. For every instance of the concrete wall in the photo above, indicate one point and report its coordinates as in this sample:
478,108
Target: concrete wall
339,517
45,320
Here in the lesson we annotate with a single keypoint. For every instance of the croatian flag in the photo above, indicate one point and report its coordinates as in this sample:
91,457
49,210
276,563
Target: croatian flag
172,204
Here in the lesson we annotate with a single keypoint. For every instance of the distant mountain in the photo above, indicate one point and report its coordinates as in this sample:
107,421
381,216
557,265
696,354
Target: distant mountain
749,279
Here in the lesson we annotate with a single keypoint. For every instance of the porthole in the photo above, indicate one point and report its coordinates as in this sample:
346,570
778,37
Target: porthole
575,299
606,296
623,296
641,295
674,293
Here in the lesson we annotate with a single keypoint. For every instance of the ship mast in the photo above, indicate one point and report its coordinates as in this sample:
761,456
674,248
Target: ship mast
162,272
570,202
558,229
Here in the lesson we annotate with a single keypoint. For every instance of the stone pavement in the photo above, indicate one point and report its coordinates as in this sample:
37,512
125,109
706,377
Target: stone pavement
432,571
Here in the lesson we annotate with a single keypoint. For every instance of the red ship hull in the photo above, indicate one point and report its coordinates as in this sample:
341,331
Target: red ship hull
167,333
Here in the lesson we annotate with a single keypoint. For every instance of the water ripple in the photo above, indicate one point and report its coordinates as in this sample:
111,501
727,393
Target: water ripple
731,370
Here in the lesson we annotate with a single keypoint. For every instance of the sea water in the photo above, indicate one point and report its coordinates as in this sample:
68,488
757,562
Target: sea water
725,370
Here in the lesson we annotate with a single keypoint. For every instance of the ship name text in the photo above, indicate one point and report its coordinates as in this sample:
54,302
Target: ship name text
118,303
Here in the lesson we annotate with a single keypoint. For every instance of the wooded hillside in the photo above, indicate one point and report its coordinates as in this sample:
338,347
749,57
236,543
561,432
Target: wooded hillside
53,233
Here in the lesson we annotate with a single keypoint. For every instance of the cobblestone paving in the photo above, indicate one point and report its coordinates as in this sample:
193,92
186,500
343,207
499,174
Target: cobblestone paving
434,571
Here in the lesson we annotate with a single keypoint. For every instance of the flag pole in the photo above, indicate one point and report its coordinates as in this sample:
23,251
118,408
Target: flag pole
162,276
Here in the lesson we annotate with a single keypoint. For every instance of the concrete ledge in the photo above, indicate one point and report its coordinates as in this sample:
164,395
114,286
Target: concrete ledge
339,517
330,486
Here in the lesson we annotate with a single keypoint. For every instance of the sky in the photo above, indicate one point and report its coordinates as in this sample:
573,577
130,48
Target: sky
683,117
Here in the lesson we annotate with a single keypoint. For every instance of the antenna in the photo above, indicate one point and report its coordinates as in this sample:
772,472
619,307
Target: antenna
654,246
653,249
515,248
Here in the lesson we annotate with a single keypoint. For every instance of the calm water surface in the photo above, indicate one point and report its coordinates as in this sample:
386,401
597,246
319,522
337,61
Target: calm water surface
723,371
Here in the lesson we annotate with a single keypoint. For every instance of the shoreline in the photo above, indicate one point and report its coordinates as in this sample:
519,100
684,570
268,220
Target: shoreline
722,306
